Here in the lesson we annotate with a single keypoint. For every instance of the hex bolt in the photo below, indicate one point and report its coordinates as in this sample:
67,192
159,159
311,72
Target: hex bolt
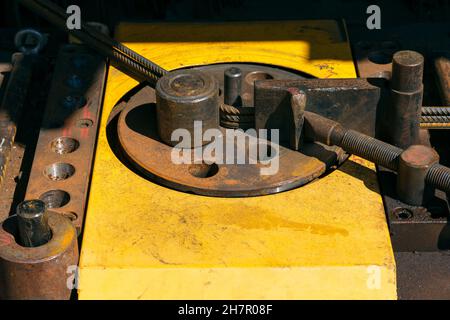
414,164
34,230
330,132
232,86
403,114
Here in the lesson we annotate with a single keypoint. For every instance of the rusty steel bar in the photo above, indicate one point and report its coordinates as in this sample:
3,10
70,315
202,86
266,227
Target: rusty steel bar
332,133
436,111
128,61
439,117
406,98
439,176
435,125
435,118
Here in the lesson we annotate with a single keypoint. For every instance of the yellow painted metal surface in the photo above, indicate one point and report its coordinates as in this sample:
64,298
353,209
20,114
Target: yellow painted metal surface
327,240
318,48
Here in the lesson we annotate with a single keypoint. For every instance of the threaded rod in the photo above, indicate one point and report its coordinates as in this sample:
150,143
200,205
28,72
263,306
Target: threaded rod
439,177
371,149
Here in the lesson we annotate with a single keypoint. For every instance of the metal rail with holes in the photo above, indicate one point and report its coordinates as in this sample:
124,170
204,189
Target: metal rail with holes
61,168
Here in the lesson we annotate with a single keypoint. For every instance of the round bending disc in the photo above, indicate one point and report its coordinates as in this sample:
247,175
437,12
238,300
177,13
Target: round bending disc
140,143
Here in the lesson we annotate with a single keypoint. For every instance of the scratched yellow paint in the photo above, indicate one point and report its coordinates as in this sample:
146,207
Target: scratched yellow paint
326,240
287,44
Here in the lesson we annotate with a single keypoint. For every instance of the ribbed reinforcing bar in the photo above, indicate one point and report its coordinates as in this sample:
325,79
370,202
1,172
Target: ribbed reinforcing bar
371,149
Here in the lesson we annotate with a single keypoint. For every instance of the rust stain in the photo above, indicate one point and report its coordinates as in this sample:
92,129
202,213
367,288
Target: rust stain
255,218
231,182
5,239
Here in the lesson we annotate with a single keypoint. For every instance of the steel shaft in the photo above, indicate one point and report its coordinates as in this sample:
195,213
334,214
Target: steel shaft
406,98
332,133
126,59
232,86
32,219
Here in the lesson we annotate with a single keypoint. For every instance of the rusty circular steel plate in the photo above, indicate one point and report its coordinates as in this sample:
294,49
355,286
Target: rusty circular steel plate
138,138
63,237
38,273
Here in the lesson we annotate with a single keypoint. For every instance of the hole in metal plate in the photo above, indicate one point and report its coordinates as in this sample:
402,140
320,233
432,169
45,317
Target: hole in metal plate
59,171
55,199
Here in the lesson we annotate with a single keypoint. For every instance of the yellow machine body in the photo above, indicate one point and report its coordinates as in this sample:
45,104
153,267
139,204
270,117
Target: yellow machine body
326,240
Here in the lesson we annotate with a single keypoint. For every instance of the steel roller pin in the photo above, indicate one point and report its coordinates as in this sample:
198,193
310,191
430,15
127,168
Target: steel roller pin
33,225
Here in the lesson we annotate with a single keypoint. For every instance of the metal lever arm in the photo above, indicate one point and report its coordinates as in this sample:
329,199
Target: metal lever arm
127,60
419,161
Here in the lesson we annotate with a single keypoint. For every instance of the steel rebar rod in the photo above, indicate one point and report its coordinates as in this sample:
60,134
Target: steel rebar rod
126,59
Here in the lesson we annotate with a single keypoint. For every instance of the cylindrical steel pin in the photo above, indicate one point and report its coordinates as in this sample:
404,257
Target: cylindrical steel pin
34,230
407,71
189,100
406,99
414,164
232,86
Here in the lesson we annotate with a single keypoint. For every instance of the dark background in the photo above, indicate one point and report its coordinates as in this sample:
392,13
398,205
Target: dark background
353,11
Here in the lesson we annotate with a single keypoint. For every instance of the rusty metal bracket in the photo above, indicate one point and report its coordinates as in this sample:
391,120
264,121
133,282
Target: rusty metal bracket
336,99
420,228
418,174
415,228
61,168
